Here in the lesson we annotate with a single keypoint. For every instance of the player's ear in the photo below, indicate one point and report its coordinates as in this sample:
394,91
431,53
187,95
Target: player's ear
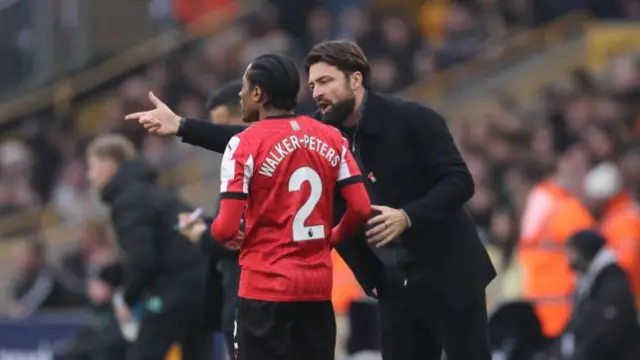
257,94
355,80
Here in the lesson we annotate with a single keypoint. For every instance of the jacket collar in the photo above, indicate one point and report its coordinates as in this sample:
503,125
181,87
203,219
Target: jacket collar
603,258
280,117
137,171
369,117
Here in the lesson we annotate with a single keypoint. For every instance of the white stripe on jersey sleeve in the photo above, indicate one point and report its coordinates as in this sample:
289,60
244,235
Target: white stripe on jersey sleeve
236,168
344,172
248,174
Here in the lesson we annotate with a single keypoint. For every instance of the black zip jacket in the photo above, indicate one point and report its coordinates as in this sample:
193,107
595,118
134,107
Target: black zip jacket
159,260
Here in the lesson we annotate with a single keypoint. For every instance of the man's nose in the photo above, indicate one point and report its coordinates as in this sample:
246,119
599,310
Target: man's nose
317,93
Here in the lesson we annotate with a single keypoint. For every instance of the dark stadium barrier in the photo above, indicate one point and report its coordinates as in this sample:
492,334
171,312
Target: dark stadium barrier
39,337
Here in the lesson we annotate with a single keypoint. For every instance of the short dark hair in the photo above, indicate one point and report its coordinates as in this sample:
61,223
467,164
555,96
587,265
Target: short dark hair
343,54
279,78
226,95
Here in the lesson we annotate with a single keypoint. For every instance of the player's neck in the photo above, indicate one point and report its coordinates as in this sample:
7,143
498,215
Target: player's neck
354,117
274,113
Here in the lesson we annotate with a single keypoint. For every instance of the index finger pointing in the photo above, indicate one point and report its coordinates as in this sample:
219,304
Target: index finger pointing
135,116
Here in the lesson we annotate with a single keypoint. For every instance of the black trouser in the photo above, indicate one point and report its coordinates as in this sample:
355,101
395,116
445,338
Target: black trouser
230,270
95,344
159,331
417,324
285,330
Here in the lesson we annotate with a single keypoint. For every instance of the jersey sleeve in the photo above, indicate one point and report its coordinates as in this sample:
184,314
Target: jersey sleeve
236,169
348,172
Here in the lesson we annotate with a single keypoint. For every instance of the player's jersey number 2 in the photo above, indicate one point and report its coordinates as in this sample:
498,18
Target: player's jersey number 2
300,231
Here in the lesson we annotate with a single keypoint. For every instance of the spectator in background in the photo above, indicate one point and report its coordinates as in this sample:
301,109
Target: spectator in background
67,197
97,248
400,43
11,202
602,140
465,36
320,27
630,167
15,173
163,272
619,217
356,24
433,20
293,15
266,37
345,291
47,160
552,213
101,339
35,284
223,107
604,323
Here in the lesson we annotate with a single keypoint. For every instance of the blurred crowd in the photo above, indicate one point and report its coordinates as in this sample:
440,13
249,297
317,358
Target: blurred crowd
512,147
77,281
545,173
43,166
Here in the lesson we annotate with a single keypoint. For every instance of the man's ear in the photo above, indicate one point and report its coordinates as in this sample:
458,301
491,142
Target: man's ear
355,80
257,94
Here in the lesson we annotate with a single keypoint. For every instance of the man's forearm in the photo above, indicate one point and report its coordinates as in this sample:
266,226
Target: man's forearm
447,196
207,135
227,224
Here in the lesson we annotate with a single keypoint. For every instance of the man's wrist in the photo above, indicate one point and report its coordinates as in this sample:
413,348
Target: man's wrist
406,218
180,131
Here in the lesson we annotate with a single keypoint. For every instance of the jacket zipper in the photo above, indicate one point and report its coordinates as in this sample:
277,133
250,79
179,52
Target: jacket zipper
355,138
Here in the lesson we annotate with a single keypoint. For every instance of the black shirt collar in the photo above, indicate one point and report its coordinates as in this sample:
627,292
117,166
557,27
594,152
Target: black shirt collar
280,117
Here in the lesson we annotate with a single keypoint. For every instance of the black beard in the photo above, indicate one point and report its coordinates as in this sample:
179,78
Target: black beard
339,112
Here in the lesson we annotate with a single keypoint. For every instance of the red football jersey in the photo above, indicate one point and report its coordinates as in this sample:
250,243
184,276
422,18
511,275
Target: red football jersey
289,169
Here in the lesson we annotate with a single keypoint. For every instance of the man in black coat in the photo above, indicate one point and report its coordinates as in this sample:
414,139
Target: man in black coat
162,271
421,256
604,321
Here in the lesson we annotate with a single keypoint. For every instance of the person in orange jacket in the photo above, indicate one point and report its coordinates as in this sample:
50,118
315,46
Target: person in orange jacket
552,213
345,291
619,216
